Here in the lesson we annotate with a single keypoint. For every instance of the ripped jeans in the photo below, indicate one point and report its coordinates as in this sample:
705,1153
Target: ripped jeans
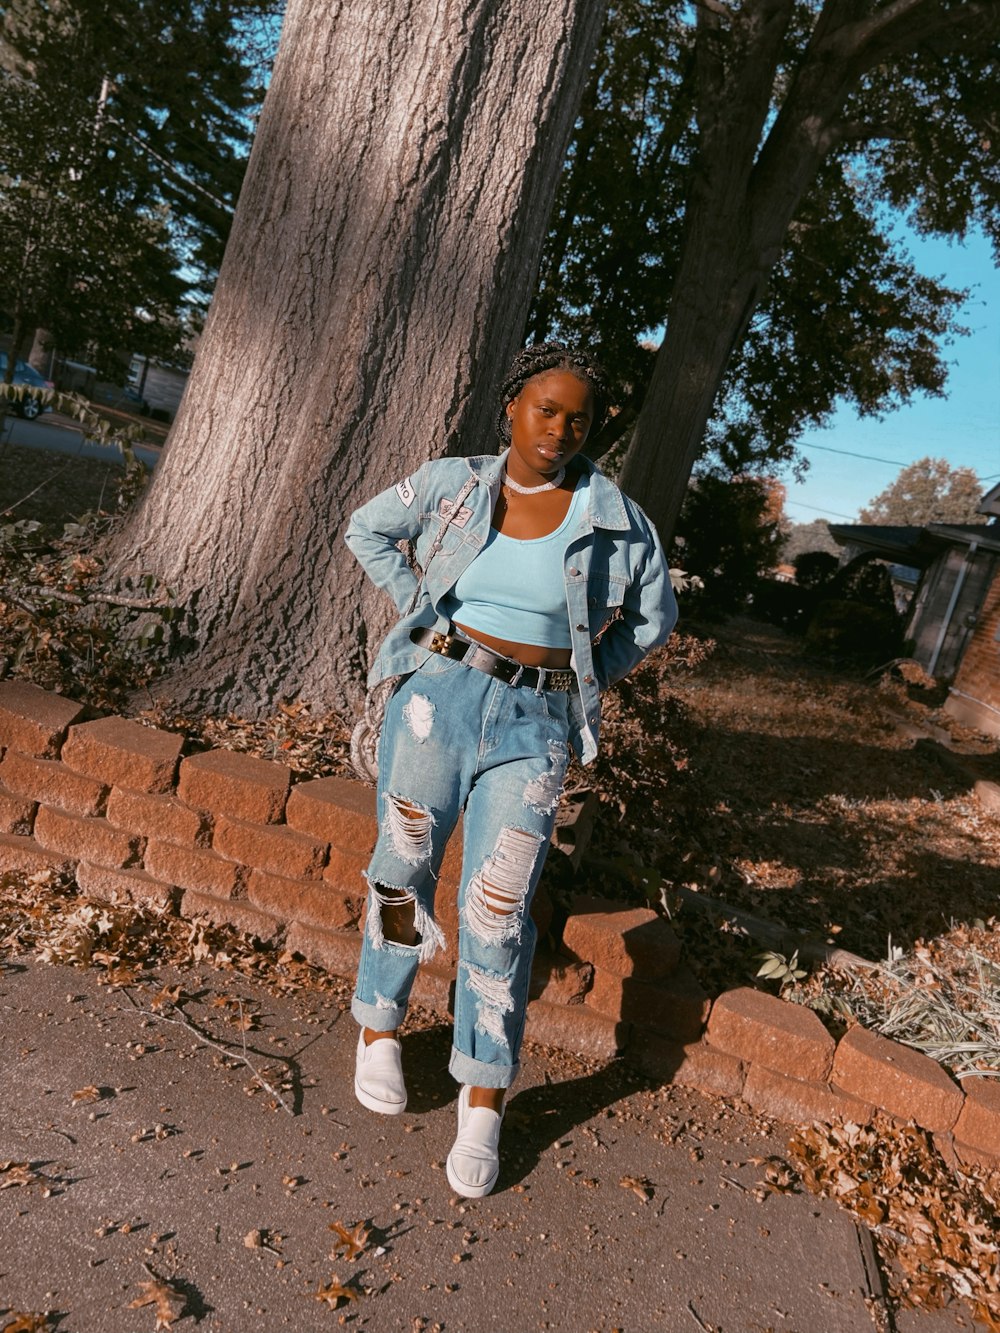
453,739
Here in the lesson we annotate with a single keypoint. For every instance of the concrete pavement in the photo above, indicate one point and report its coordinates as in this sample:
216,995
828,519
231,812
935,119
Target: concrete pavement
620,1205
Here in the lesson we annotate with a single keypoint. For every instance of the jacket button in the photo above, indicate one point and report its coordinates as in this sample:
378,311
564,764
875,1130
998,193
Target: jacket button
588,680
574,572
581,628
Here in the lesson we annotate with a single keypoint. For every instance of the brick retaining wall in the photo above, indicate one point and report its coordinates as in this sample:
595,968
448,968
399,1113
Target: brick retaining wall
227,836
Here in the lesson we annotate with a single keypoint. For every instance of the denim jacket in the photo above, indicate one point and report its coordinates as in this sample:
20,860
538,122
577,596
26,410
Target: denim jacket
618,588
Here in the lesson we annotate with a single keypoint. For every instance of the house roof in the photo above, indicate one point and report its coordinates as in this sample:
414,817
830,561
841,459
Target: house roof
901,545
985,535
913,545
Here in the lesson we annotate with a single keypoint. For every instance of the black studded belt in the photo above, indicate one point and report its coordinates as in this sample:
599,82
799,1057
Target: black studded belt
493,664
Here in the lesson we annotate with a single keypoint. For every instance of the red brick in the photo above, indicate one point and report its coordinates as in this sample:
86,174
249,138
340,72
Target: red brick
693,1065
193,868
628,941
52,782
988,794
345,870
800,1101
163,817
335,811
576,1028
93,840
240,785
124,754
22,854
34,721
451,863
900,1080
314,903
972,1157
270,847
240,915
17,813
978,1125
676,1007
337,951
787,1038
556,980
114,885
433,989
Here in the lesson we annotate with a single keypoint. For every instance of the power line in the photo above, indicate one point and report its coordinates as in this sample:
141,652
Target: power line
869,458
832,512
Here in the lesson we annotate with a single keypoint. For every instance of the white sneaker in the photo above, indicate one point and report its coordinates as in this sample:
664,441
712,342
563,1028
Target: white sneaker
378,1076
473,1164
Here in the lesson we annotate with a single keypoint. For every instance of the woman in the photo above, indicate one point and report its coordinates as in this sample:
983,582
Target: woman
542,585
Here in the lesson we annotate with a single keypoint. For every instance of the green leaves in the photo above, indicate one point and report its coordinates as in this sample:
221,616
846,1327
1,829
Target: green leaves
776,967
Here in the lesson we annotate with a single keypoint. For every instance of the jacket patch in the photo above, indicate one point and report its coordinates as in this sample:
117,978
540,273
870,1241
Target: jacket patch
460,519
406,492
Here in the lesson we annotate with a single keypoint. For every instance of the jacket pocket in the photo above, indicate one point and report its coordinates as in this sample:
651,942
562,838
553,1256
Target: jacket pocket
605,595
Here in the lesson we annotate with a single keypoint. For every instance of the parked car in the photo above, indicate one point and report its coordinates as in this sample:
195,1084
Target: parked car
29,406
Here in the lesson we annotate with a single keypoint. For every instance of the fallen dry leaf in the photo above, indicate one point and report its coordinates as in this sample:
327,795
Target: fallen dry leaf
639,1185
17,1173
168,1300
89,1094
333,1293
169,995
351,1242
22,1322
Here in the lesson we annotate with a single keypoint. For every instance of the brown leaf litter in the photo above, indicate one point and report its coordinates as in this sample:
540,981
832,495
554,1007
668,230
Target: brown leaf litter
935,1226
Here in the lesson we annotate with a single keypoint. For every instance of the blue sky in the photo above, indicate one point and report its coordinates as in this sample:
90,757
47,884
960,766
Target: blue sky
962,427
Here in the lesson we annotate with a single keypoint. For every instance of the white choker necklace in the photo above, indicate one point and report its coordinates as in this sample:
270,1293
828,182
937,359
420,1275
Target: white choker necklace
556,481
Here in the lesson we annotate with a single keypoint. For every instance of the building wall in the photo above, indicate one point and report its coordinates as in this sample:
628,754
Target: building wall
931,608
975,694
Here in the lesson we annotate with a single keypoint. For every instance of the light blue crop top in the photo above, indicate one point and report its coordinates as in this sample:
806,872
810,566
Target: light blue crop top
515,589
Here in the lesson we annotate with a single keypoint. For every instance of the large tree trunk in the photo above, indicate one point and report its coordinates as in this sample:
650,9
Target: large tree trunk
750,175
376,282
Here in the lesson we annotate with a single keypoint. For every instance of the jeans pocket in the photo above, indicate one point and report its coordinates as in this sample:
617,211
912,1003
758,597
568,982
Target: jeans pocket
438,665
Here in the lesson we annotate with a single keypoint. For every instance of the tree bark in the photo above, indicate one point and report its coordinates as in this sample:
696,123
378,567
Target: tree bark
375,284
747,187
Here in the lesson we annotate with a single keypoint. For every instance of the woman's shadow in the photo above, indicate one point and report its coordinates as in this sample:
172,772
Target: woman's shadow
536,1117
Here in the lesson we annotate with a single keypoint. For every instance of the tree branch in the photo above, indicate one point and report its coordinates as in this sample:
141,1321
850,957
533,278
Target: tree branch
904,24
106,598
227,1051
856,131
717,8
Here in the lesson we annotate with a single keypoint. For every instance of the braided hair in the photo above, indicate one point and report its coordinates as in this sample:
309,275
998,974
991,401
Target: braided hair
539,359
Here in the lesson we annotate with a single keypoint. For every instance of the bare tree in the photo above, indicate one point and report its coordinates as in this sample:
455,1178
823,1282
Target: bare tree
377,278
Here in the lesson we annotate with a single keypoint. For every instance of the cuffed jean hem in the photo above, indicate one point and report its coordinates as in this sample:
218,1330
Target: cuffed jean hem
378,1017
478,1074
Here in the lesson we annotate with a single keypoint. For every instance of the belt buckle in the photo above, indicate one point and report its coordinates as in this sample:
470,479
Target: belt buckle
440,643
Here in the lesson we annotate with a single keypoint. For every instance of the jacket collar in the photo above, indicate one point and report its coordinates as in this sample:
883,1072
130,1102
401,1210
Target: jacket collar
606,508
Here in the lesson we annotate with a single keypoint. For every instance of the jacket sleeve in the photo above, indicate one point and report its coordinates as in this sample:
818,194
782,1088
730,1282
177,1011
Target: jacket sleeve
375,531
648,613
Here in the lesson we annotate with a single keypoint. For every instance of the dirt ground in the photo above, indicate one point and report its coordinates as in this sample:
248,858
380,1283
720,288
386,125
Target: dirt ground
825,800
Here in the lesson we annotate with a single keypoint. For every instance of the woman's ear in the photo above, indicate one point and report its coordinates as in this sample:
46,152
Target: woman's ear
510,408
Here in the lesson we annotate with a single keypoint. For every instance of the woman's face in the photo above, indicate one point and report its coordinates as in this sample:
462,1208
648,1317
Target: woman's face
549,422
